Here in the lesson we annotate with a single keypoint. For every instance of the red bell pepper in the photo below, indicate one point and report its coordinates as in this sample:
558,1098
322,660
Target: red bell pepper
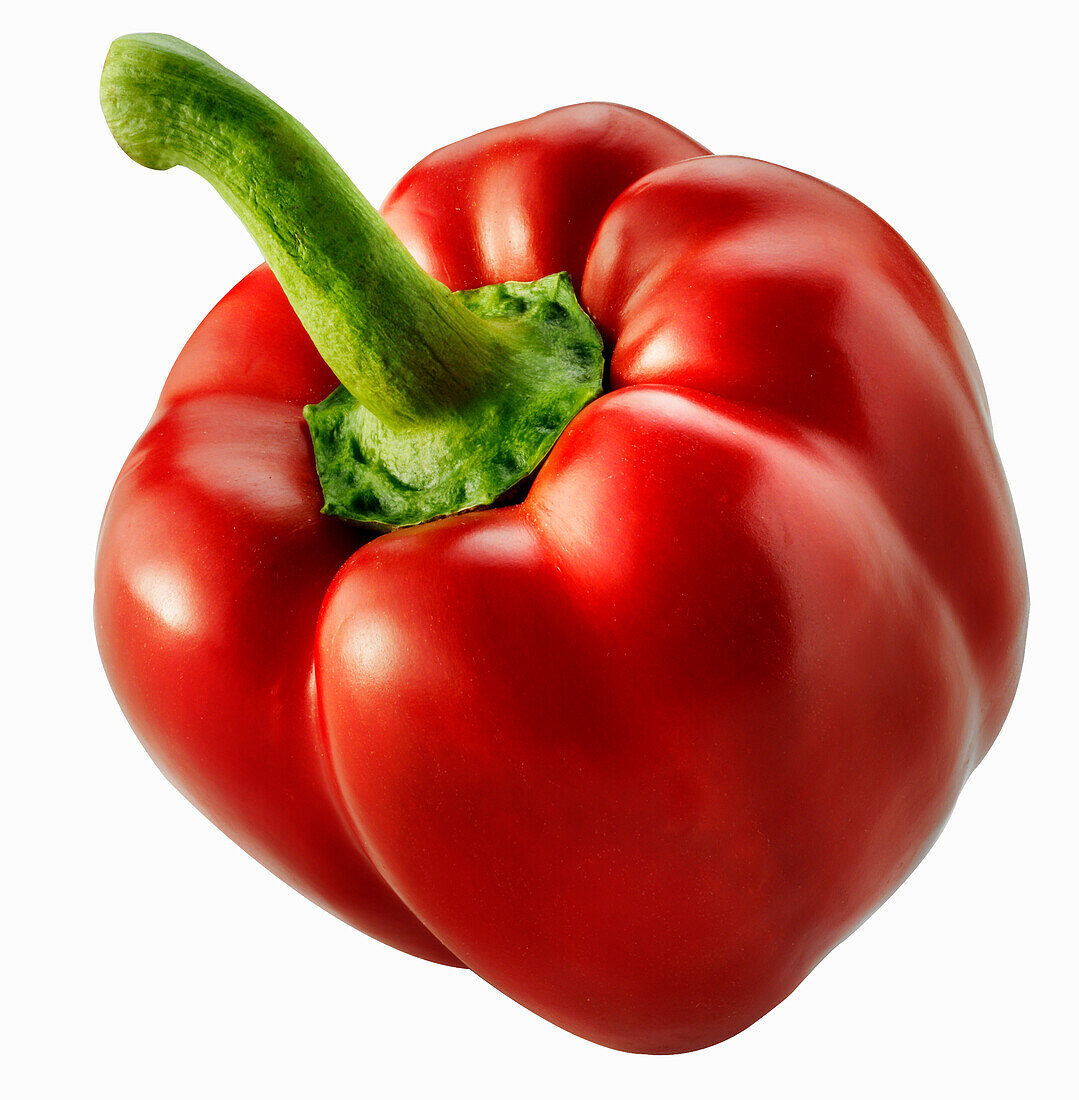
639,737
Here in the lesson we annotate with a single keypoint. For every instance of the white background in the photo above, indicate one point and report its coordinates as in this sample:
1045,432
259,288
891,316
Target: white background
144,954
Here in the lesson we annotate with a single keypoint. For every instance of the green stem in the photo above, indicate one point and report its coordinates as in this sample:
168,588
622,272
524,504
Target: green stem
398,340
447,400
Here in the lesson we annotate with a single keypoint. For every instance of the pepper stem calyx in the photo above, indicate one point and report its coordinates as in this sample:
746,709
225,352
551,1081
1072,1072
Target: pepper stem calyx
447,399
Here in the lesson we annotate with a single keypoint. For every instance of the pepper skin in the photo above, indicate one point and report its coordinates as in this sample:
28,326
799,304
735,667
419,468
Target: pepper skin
642,747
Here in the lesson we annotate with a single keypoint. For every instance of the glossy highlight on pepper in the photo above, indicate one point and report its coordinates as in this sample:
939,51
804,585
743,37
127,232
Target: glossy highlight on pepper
657,717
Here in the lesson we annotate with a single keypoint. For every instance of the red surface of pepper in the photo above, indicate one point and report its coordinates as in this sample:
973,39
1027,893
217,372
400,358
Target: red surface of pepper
640,749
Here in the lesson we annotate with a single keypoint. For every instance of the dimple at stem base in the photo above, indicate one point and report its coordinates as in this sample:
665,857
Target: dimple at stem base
385,478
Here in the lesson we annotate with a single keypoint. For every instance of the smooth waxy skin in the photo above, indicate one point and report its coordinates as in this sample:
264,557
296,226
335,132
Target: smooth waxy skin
642,748
212,564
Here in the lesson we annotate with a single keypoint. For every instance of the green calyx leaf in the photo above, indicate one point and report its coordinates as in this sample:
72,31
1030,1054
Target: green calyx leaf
385,476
